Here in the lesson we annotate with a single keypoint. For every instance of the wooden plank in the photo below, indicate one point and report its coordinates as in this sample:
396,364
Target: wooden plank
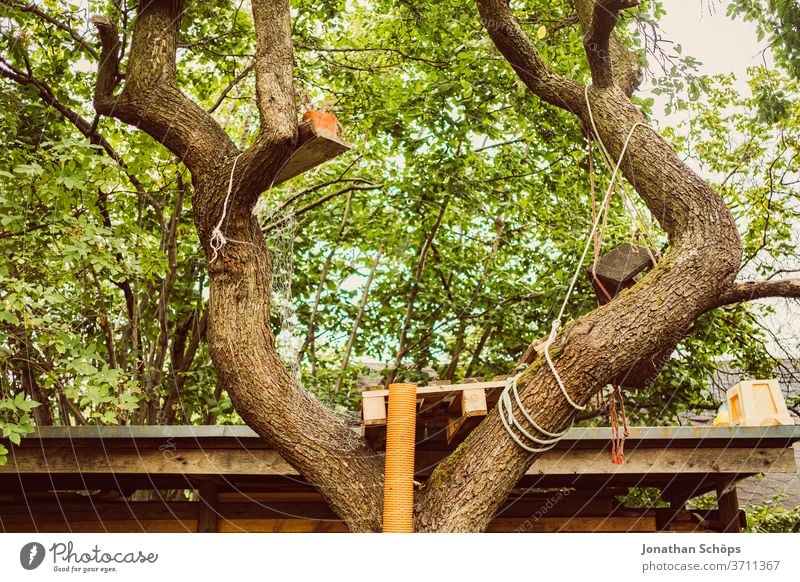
554,506
72,510
445,388
281,526
471,402
271,497
88,526
90,460
644,523
471,405
191,462
156,510
203,437
668,461
313,149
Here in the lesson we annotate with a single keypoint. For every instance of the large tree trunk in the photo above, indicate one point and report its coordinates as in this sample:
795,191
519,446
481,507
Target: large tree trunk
242,346
227,184
466,490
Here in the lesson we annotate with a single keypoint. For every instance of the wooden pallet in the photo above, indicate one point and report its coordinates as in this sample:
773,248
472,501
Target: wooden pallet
459,407
313,148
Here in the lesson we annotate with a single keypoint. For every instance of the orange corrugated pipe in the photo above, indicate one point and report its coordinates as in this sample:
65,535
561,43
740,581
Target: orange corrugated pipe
398,487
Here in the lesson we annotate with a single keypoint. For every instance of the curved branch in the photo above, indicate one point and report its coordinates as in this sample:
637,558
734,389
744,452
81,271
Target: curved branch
150,98
520,52
609,60
614,339
752,290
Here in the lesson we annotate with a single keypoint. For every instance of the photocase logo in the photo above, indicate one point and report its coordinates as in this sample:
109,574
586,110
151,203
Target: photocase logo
31,555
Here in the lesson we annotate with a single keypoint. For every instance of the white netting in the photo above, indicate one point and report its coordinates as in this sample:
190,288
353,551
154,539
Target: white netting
287,341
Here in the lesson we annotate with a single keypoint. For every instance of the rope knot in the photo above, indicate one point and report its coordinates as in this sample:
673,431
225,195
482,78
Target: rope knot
218,239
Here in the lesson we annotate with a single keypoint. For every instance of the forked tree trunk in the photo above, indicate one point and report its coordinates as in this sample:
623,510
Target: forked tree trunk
465,491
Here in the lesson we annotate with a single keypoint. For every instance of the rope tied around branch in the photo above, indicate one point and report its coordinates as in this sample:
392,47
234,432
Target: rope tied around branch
510,422
218,240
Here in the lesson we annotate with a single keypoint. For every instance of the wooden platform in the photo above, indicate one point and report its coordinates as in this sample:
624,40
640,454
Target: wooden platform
454,408
313,149
96,479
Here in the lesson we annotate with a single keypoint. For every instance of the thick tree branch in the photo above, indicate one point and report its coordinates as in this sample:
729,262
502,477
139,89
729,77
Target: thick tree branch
752,290
108,67
520,52
609,342
609,60
277,111
150,98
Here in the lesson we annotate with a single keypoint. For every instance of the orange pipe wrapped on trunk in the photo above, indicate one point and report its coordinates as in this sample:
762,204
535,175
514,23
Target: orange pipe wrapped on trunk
398,487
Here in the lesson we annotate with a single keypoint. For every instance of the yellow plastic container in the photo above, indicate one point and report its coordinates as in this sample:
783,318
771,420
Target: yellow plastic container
757,403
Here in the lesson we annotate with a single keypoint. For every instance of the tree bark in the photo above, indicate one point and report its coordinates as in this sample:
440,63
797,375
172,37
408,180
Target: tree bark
465,490
239,335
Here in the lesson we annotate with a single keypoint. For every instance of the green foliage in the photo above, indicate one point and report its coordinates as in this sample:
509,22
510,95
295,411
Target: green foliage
103,288
642,498
772,518
776,20
767,517
15,421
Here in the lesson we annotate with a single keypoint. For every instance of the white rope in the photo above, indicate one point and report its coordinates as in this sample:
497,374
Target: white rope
510,422
631,205
218,239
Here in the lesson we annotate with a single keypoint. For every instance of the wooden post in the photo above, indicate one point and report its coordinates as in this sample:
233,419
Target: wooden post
728,504
207,507
666,515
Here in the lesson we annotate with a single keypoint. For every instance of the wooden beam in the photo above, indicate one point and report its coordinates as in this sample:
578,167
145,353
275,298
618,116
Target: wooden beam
668,461
445,389
281,526
314,148
88,460
468,404
264,462
644,523
91,526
